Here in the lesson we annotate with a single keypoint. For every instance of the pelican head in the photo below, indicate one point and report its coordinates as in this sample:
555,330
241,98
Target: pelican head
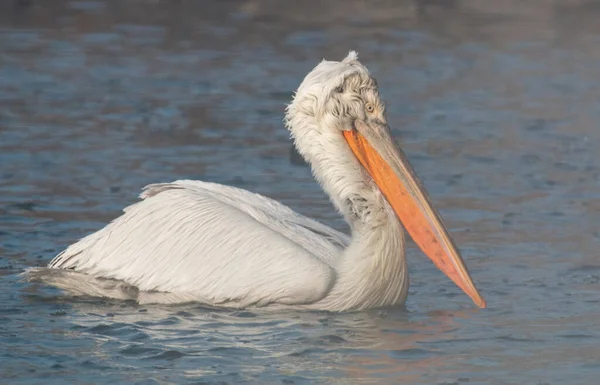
338,123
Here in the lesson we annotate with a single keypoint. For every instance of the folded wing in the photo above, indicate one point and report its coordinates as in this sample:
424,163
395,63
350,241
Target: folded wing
198,241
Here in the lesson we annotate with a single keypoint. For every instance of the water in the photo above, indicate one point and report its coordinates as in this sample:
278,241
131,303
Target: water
496,105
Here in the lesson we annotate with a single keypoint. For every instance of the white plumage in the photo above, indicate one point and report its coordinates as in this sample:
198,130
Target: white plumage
224,246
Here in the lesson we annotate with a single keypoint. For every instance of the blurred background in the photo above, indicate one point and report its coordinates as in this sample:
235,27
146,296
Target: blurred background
495,103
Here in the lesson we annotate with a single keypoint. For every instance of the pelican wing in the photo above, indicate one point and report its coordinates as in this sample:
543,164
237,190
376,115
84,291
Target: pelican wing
198,241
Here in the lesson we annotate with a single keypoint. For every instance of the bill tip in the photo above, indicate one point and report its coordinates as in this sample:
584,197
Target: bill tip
481,303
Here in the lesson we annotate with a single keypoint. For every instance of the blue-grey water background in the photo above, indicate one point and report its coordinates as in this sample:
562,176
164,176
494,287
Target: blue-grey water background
497,104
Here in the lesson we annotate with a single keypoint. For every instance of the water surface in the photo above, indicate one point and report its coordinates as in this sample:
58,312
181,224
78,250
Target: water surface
497,106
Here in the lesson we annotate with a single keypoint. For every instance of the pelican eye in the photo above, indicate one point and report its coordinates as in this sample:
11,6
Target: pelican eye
369,107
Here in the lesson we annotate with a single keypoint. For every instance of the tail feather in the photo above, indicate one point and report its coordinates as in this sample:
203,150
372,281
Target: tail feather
80,284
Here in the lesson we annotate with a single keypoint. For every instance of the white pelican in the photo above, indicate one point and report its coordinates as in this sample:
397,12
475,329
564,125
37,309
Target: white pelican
223,246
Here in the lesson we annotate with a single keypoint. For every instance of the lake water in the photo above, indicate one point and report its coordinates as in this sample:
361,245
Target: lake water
497,106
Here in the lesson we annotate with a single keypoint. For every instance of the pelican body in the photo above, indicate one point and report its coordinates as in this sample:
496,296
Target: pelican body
193,241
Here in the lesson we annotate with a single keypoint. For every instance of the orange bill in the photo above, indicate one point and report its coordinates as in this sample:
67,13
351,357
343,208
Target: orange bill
394,176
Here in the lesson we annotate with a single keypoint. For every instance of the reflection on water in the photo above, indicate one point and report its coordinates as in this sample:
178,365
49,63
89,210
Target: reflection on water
495,104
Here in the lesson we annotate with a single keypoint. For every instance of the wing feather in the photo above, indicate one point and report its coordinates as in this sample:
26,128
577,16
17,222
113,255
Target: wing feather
217,244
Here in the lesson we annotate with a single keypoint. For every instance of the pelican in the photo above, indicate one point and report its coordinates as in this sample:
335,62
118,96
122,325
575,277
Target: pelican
194,241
